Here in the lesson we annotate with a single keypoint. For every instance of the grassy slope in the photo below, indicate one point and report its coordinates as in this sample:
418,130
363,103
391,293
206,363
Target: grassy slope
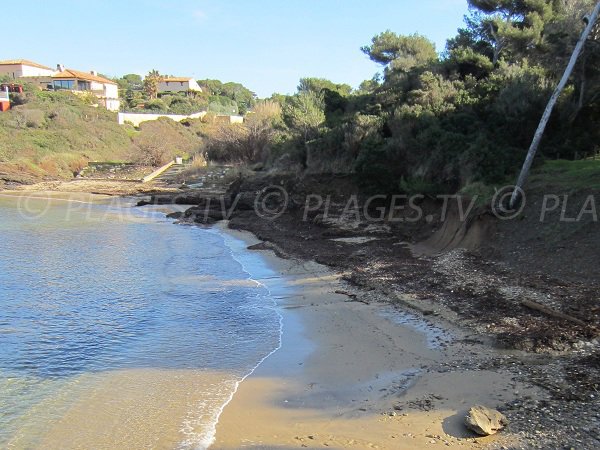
571,175
55,134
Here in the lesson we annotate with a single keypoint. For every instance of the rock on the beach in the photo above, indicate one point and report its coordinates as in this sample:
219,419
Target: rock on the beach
485,421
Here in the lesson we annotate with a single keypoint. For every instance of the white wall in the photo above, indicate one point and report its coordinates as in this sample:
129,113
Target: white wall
113,104
19,70
97,87
194,86
111,91
108,94
107,90
229,119
136,118
29,71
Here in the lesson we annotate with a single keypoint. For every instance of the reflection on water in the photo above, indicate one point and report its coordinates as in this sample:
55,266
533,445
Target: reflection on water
116,322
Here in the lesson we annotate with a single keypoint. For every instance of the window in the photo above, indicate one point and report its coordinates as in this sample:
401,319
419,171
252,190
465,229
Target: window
83,85
63,84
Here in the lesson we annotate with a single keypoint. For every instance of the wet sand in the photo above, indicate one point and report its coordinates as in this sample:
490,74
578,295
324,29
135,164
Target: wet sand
129,409
347,376
103,187
81,197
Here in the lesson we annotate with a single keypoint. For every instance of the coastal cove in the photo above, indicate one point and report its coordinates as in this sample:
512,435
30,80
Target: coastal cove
298,365
300,226
120,330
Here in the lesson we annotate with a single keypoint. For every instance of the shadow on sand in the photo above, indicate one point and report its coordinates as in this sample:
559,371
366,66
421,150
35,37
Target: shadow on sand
455,426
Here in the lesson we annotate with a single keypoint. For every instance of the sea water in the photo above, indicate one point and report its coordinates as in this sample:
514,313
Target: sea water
119,329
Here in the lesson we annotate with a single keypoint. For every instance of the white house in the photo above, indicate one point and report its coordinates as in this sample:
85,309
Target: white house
178,84
17,68
105,90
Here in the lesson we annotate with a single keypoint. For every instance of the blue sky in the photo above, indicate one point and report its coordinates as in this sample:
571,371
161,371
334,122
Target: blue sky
268,45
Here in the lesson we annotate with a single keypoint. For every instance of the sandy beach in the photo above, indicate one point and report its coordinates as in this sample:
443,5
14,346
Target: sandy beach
352,375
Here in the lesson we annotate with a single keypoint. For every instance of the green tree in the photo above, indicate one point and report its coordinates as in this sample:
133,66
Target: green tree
473,36
467,62
319,85
243,97
369,86
214,87
220,104
511,25
335,96
179,104
156,105
151,83
131,81
133,97
305,112
402,53
240,94
560,36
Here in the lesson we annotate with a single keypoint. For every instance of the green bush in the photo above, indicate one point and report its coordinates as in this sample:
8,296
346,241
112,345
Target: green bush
156,105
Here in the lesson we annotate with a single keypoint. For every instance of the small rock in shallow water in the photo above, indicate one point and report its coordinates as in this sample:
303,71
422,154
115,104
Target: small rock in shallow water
485,421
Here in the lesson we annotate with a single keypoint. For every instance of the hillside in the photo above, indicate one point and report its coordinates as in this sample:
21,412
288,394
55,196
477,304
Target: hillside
53,135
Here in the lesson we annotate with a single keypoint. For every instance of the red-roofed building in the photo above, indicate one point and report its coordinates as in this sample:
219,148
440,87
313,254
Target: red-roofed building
105,90
76,81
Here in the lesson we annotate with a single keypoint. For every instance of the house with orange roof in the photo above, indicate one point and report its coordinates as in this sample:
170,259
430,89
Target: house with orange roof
17,68
105,90
178,84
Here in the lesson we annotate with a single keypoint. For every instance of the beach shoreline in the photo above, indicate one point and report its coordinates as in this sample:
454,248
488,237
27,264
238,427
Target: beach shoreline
349,376
344,318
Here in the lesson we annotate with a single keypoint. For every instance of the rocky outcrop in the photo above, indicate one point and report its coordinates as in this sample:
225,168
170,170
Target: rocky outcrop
485,421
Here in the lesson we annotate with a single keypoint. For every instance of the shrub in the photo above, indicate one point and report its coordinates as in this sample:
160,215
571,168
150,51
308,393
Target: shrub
156,105
247,142
159,141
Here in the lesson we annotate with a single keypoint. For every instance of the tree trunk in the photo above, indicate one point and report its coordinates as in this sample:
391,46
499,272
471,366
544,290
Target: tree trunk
498,45
515,198
582,90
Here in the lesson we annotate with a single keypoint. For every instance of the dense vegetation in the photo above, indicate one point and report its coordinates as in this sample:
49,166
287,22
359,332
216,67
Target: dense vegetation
55,134
216,97
429,122
442,122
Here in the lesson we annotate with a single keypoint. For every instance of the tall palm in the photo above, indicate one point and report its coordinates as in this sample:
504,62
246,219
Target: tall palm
151,83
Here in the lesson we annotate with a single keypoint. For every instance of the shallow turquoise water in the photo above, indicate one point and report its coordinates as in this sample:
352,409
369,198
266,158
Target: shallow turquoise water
98,288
